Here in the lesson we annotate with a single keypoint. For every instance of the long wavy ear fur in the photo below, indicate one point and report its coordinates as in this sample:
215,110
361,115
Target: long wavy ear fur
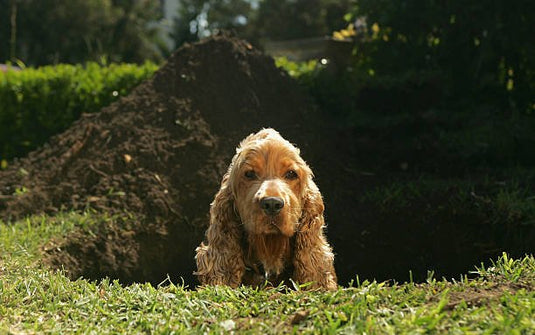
220,259
312,216
313,256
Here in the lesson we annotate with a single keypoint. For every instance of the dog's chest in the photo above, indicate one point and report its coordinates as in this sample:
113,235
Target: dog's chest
269,255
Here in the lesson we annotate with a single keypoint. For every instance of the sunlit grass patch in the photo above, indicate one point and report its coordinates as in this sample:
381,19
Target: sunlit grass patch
35,299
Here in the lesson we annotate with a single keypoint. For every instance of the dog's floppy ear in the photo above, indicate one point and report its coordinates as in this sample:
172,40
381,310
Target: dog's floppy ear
222,211
312,215
220,259
313,257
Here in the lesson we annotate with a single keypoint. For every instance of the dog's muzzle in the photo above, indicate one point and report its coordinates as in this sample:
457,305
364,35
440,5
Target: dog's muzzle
271,205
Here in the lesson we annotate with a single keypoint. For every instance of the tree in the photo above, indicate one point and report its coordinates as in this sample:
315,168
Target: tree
54,31
197,19
481,49
281,20
259,20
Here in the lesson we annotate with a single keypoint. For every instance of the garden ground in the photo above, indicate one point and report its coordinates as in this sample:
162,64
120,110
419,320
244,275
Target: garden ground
35,299
406,191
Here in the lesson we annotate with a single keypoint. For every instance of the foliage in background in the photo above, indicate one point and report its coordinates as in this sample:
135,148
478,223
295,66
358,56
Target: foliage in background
298,70
38,103
465,70
482,52
58,31
282,20
76,31
197,19
259,20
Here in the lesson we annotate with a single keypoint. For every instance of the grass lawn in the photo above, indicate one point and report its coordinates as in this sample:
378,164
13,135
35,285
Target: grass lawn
34,299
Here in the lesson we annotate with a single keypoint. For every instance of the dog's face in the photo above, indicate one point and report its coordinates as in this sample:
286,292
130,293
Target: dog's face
268,179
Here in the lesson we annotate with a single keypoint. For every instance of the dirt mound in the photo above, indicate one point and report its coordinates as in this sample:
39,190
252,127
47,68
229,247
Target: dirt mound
157,154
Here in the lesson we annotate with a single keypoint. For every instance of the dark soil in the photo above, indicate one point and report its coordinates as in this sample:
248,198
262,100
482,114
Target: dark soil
155,158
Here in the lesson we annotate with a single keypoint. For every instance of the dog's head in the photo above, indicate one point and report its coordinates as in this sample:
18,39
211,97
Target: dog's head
270,183
269,194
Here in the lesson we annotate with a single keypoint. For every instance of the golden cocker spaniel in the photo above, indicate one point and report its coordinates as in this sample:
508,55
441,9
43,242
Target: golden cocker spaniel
266,221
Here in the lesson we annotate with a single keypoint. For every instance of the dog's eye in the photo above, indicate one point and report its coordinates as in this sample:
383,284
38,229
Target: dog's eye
291,175
250,174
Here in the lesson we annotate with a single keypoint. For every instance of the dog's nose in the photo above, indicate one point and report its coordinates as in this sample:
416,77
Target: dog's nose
271,205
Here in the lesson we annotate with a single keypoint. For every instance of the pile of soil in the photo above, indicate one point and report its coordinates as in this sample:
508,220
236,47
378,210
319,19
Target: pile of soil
158,155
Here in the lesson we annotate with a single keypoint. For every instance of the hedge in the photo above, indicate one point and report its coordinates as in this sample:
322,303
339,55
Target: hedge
36,103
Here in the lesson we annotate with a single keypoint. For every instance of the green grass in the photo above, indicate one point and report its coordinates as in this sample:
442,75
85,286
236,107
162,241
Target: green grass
504,201
34,299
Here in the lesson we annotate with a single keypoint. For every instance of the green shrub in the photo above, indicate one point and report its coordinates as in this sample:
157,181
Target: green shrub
37,103
297,69
345,91
482,50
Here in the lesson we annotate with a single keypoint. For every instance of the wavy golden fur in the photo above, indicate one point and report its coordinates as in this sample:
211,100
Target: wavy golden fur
266,221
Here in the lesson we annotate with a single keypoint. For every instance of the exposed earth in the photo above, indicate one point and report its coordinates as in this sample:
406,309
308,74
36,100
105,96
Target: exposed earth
154,159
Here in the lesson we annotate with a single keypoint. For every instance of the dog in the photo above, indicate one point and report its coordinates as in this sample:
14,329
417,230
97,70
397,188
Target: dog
266,221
